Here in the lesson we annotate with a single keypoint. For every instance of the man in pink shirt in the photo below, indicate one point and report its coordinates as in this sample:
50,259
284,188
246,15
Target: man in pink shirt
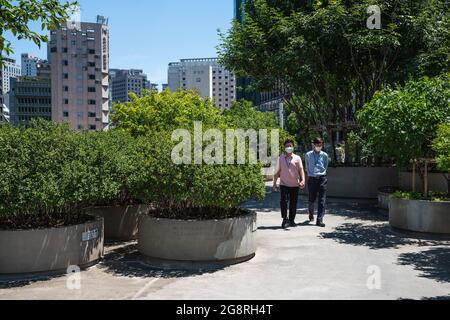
290,170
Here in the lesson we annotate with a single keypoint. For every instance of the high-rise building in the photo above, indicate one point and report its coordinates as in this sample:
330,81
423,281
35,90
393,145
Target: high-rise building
79,59
30,65
207,77
125,81
30,98
8,70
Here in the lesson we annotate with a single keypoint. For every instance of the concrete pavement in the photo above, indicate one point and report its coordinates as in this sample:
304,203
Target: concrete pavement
357,256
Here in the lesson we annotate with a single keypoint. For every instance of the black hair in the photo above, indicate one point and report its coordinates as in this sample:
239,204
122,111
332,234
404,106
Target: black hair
318,140
289,141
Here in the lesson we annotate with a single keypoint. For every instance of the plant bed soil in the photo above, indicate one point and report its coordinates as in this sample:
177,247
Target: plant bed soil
38,221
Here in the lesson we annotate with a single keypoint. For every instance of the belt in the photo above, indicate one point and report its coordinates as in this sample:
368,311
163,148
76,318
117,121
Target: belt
318,177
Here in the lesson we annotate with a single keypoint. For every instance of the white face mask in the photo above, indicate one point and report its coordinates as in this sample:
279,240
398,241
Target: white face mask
289,150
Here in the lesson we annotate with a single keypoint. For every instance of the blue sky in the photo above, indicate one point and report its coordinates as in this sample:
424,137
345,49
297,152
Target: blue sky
148,34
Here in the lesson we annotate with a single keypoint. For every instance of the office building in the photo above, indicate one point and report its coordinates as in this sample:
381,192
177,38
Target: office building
30,98
207,77
30,65
125,81
79,59
8,70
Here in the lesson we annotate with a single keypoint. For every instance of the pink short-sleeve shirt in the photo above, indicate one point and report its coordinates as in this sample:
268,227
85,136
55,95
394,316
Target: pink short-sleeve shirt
290,170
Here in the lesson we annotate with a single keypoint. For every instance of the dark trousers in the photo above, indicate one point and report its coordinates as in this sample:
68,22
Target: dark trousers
289,194
317,189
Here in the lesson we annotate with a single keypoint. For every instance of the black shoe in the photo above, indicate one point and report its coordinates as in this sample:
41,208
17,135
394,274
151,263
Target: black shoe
285,224
292,224
311,218
321,224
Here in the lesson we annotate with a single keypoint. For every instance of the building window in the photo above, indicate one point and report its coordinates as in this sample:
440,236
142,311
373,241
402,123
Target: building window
53,49
66,89
65,114
66,76
91,89
92,127
91,102
92,114
65,63
66,101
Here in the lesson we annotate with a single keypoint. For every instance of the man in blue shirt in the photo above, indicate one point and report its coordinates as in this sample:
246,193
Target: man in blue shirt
316,167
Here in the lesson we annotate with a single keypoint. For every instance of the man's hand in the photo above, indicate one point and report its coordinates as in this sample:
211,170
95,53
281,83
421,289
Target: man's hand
302,185
275,187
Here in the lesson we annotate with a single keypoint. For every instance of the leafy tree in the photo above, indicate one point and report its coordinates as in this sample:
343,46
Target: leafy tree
441,146
15,17
326,63
402,123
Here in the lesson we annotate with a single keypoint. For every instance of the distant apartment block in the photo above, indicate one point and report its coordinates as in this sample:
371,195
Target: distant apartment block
30,98
165,86
207,77
30,65
79,58
125,81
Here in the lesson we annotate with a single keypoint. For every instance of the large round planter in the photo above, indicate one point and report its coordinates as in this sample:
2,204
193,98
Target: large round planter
121,223
420,216
51,250
230,240
384,197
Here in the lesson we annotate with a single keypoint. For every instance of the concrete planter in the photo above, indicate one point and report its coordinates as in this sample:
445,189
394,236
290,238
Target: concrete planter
359,182
420,216
198,241
49,250
384,197
121,223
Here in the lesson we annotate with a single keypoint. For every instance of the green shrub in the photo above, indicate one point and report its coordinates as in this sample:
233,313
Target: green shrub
434,196
174,189
441,145
49,173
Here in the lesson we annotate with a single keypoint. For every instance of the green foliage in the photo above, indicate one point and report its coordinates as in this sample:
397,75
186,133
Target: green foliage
441,145
176,188
47,169
326,59
402,123
166,111
434,196
16,15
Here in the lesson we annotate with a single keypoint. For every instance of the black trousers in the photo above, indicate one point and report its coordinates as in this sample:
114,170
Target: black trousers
317,189
289,194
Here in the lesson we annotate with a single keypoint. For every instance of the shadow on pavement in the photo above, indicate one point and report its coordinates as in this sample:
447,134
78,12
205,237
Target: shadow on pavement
128,262
10,282
360,209
433,264
375,236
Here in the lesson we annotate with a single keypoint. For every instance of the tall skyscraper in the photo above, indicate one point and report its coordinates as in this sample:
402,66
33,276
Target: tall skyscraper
207,77
79,58
126,81
30,64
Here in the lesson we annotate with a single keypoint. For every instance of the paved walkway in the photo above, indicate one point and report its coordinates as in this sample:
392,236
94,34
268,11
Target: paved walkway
356,248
